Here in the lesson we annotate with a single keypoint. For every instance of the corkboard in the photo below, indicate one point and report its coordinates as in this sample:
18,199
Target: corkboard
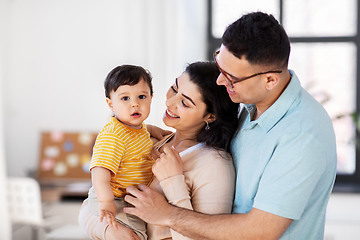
65,156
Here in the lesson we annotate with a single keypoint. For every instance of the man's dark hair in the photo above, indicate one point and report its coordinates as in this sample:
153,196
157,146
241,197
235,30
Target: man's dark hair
260,39
126,75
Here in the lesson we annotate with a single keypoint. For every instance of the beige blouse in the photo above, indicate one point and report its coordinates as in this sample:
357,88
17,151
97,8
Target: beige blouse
207,185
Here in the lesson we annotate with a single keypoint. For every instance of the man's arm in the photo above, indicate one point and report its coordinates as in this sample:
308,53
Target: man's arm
153,208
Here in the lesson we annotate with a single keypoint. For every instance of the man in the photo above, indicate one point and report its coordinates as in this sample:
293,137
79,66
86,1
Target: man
284,151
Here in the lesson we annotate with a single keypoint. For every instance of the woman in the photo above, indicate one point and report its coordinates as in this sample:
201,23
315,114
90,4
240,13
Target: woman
205,120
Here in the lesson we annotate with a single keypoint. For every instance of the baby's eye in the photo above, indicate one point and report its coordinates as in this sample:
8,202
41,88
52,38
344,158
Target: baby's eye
142,97
125,98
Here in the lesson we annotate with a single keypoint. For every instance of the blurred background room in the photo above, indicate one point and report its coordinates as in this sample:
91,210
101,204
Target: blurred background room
55,55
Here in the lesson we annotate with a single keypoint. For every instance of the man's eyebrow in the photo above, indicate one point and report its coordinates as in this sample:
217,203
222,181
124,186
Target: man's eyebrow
233,77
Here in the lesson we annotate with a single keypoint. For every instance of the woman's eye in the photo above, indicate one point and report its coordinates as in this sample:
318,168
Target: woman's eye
182,101
173,88
184,104
142,97
125,98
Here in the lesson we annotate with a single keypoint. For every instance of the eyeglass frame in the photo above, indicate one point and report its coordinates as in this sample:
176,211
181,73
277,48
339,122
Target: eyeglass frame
232,82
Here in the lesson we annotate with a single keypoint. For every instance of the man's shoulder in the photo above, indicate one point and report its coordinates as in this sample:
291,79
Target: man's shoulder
308,114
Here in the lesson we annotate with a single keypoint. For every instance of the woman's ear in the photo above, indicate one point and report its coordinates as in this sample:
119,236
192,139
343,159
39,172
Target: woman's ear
210,118
109,102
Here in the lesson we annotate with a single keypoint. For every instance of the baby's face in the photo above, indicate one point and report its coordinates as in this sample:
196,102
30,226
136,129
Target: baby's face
131,104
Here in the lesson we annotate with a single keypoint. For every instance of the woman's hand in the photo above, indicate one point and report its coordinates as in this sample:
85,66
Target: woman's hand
168,164
157,132
108,210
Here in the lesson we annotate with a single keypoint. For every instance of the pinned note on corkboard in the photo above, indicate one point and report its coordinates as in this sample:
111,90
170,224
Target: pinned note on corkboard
65,156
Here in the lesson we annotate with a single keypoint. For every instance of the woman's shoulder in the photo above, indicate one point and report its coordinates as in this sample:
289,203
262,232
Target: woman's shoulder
207,163
214,154
209,157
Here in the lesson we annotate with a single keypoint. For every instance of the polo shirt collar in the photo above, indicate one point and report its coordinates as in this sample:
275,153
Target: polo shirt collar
276,111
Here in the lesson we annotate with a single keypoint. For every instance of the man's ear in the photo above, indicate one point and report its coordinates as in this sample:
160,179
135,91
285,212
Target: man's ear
272,79
210,118
110,104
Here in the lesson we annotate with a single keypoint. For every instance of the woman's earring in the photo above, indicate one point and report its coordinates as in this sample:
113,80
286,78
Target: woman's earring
207,126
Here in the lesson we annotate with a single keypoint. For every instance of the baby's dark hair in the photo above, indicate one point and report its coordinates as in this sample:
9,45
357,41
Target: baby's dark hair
218,102
126,75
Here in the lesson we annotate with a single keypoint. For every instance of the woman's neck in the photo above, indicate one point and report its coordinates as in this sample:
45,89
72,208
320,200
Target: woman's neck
182,141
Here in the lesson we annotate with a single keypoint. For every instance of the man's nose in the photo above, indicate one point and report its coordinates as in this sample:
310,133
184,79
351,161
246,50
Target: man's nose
221,80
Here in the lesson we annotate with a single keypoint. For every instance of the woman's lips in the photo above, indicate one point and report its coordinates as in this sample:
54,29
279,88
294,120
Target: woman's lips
170,114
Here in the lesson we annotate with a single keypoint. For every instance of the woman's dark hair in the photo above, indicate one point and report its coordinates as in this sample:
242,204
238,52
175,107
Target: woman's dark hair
126,75
218,102
259,38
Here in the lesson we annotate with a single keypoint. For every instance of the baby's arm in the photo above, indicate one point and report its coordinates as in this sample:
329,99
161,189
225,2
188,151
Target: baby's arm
157,132
101,182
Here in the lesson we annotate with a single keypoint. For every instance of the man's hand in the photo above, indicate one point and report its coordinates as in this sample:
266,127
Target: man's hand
149,205
108,210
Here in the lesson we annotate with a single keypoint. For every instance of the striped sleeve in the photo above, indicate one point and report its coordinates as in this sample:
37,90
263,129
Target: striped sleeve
107,152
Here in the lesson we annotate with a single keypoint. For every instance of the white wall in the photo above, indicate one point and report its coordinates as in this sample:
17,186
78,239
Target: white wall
58,53
5,225
343,217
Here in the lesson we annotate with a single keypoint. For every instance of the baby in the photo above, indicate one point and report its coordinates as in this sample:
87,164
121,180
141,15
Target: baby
122,151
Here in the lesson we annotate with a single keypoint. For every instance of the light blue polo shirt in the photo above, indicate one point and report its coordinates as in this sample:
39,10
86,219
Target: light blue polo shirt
286,161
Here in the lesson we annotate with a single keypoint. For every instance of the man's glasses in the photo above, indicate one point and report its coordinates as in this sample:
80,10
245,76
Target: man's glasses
235,79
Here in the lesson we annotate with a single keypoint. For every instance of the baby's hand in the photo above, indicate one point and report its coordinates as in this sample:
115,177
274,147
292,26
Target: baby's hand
108,210
123,232
157,132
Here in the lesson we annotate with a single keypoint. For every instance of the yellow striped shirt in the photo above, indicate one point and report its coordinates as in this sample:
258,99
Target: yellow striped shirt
126,152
